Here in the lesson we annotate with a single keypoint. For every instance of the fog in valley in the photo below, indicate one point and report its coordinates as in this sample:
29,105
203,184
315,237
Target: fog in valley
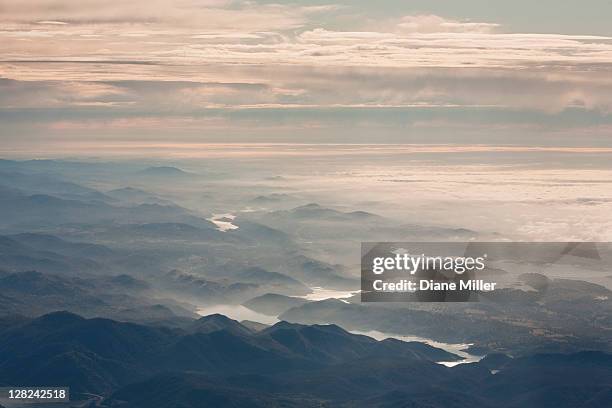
265,235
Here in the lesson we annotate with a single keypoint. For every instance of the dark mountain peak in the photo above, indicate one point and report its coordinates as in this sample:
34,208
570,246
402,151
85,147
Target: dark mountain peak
330,328
284,325
271,296
331,343
309,329
57,319
216,322
215,317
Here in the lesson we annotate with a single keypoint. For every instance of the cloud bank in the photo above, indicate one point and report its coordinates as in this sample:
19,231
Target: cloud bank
196,64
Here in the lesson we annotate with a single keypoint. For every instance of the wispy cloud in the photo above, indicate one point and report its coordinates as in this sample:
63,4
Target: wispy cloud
156,59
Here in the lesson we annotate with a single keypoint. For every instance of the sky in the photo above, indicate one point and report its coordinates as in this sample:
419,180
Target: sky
88,74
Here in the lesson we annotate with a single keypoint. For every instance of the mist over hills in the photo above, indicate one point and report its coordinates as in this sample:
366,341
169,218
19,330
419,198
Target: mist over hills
510,320
318,212
131,195
306,203
104,267
273,304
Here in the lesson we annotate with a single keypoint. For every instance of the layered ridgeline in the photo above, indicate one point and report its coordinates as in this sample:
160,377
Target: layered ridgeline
132,250
102,355
216,361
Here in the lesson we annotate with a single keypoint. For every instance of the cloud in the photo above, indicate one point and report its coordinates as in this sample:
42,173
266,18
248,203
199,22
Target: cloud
49,22
159,59
218,43
436,24
157,14
295,87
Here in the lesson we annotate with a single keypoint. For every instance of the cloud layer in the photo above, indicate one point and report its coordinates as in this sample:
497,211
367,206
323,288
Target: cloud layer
194,63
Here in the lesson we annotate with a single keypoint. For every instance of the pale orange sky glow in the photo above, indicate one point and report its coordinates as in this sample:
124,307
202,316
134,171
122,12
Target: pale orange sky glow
302,72
262,150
